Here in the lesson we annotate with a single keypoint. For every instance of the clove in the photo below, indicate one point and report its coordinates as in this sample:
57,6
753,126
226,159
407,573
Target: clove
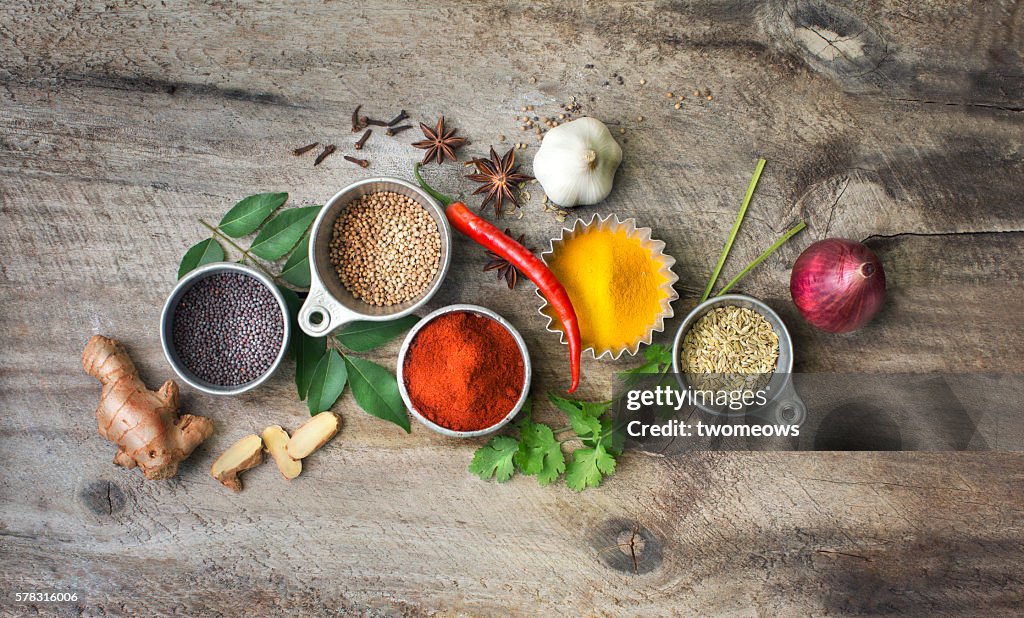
356,123
303,150
399,118
328,151
393,131
359,162
373,122
362,140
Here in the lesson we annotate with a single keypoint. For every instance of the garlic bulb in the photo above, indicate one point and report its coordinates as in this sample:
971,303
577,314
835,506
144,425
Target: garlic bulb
576,162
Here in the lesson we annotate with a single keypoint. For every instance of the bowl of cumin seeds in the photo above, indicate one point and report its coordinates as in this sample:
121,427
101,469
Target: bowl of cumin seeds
734,343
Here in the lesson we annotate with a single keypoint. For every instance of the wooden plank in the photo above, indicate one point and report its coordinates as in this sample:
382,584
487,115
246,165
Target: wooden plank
895,123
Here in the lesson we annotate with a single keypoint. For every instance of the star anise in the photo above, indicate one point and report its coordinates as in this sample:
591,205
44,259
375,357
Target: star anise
440,144
500,179
505,268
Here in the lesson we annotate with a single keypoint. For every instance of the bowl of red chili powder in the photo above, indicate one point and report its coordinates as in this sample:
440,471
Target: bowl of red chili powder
464,371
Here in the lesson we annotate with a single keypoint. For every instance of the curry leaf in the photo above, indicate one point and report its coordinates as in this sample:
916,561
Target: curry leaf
296,269
307,352
281,233
291,299
247,215
495,459
587,467
326,383
204,252
366,336
376,391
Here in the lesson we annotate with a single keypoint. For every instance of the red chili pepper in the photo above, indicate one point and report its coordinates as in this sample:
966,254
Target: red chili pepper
500,243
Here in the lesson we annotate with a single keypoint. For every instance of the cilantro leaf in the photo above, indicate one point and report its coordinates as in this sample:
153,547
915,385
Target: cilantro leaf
583,415
659,353
539,454
495,459
608,438
658,357
587,467
648,367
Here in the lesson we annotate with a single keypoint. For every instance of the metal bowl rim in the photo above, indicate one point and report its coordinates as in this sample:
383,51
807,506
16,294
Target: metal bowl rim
759,306
167,317
527,369
319,287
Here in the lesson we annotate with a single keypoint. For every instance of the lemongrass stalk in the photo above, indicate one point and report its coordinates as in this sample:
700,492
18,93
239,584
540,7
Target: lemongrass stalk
778,243
735,230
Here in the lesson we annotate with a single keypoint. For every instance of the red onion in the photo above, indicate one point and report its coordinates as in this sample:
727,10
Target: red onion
838,285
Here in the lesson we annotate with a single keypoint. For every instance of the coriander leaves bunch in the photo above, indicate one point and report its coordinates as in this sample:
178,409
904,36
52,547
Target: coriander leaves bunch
536,450
323,365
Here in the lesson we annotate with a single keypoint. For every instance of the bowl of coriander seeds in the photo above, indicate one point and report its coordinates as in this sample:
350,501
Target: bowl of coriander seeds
379,250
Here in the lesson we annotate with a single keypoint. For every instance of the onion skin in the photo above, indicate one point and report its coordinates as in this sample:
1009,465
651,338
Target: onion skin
838,285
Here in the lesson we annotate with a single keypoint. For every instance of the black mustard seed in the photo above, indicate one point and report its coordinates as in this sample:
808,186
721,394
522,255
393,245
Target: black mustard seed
228,329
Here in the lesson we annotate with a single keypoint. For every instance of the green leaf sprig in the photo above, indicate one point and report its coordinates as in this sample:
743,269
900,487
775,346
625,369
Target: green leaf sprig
323,366
537,449
732,237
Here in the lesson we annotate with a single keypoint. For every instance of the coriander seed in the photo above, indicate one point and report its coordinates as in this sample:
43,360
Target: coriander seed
386,248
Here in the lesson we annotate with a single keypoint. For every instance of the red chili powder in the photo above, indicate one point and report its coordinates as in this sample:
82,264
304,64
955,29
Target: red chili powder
464,371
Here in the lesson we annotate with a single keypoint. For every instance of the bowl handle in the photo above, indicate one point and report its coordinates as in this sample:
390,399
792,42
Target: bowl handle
787,407
321,313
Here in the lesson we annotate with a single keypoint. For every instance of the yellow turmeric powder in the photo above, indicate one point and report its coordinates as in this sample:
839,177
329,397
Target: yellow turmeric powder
615,284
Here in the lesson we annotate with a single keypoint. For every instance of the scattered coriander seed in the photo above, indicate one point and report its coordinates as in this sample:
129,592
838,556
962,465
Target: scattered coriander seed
386,248
621,130
561,116
677,106
696,93
643,82
682,97
639,118
710,97
533,80
669,95
523,109
501,138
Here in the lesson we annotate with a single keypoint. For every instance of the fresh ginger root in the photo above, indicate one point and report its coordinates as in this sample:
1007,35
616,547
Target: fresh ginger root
144,424
276,438
243,455
313,434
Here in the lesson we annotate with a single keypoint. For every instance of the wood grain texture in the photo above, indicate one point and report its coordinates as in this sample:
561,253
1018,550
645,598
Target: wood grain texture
898,123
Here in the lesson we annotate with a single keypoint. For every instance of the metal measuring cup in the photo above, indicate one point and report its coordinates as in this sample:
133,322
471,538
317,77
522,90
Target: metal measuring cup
329,306
784,406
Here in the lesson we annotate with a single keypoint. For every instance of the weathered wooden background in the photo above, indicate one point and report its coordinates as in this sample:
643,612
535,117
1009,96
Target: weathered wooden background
899,122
